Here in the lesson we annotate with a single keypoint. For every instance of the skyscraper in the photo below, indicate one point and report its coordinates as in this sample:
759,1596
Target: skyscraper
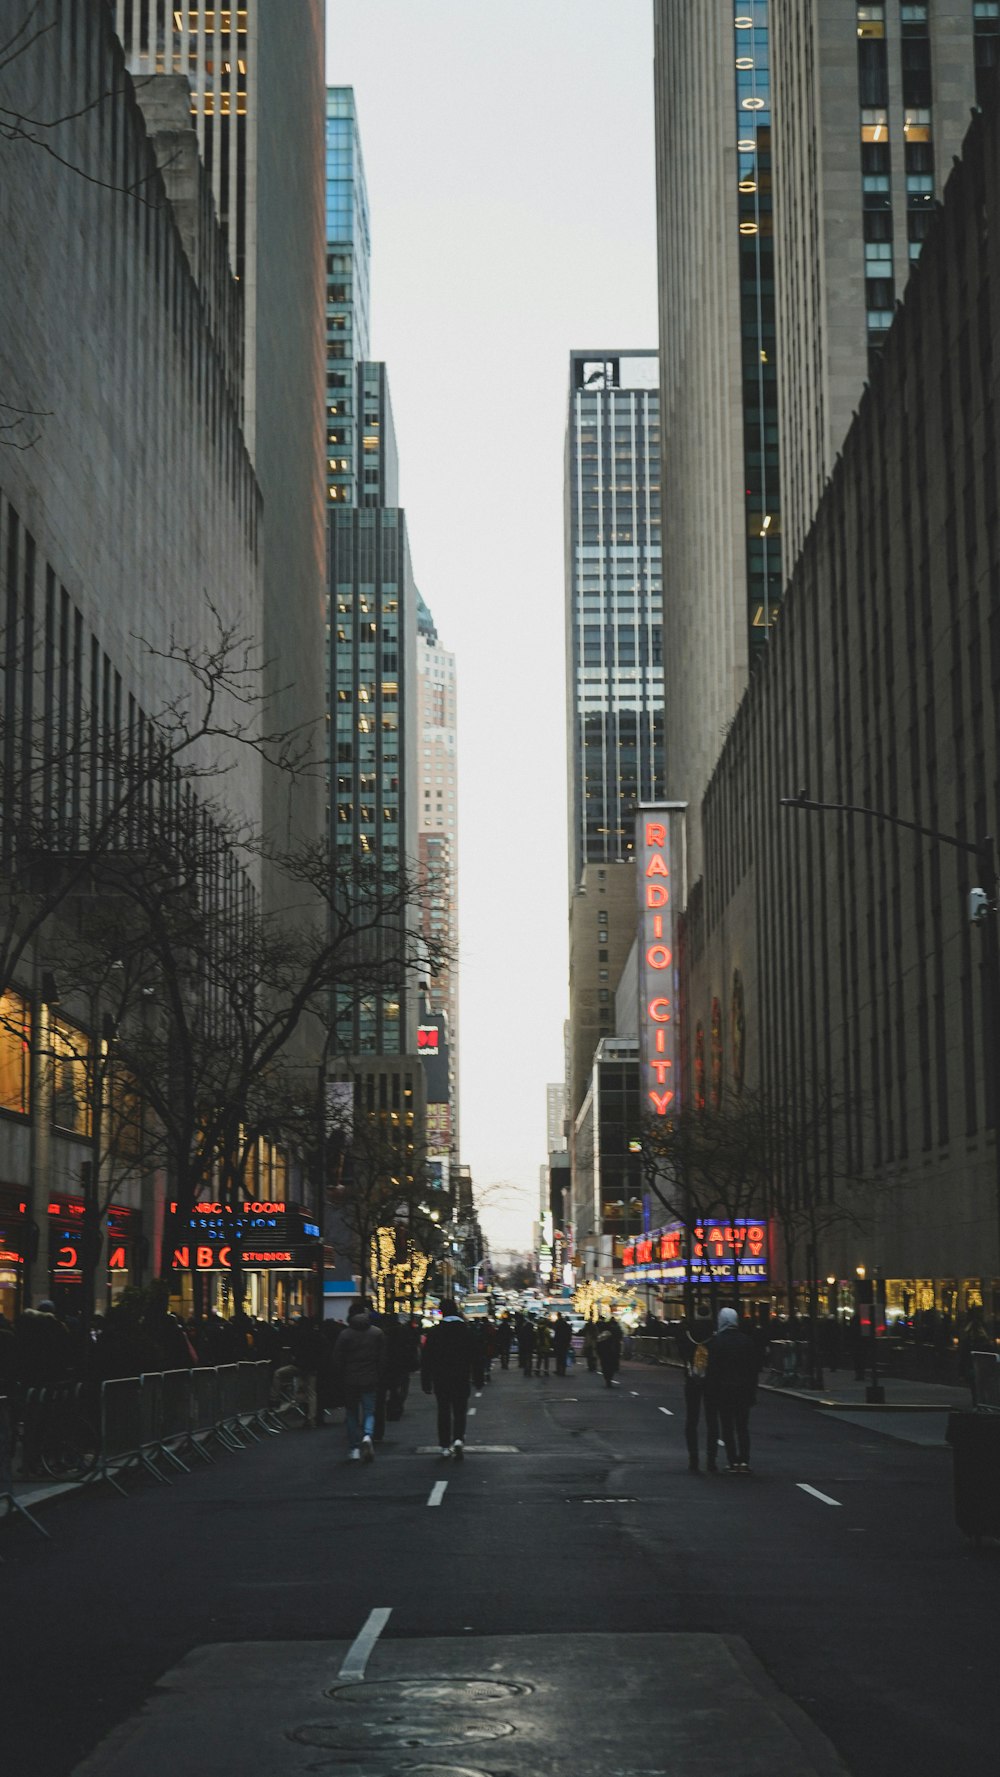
800,147
348,275
255,74
437,790
614,660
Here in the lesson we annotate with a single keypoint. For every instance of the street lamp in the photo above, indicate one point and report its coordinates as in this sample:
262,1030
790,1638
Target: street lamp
982,911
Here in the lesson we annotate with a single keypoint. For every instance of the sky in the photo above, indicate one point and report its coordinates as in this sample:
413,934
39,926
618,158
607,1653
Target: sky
509,155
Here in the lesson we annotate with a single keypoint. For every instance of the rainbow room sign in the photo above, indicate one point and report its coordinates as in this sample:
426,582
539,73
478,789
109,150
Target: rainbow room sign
659,853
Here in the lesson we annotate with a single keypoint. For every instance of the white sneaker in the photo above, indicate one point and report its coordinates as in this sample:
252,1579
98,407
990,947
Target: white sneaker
458,1449
445,1450
367,1450
354,1456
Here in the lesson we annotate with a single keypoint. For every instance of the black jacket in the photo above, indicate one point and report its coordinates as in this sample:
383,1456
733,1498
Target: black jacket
732,1365
449,1354
359,1354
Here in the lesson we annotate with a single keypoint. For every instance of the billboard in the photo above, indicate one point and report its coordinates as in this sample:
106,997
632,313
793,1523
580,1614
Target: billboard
716,1248
659,855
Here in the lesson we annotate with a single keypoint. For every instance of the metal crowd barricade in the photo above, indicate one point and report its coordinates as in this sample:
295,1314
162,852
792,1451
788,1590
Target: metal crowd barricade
175,1416
228,1420
204,1413
263,1413
7,1495
151,1383
986,1379
121,1430
246,1396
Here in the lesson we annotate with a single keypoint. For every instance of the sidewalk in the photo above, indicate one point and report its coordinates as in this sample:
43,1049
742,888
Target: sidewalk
844,1391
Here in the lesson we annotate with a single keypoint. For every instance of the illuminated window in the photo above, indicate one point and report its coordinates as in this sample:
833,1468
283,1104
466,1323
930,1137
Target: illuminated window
70,1050
917,125
874,126
15,1039
871,21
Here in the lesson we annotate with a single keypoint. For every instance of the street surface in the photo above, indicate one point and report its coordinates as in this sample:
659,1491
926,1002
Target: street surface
568,1600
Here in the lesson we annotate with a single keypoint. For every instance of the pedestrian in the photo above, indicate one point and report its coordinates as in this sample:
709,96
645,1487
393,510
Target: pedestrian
449,1358
731,1386
609,1348
505,1334
694,1355
590,1343
358,1364
526,1345
975,1338
543,1349
562,1339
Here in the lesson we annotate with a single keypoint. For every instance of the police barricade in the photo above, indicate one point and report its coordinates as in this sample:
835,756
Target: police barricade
203,1418
246,1396
228,1419
121,1429
175,1416
151,1400
263,1412
986,1379
8,1497
783,1359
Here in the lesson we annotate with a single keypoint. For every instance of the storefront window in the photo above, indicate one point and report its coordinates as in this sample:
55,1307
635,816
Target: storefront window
15,1049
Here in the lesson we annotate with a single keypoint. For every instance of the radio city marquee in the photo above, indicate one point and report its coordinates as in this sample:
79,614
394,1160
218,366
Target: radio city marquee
659,852
716,1247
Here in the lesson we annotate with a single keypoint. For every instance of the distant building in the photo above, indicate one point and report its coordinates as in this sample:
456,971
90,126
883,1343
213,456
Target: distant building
348,294
614,660
437,792
607,1189
555,1117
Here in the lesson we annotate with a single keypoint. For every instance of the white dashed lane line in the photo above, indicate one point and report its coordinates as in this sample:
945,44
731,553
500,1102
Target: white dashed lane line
667,1411
437,1493
825,1497
357,1655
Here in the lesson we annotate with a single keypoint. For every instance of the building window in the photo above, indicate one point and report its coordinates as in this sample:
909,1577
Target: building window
15,1041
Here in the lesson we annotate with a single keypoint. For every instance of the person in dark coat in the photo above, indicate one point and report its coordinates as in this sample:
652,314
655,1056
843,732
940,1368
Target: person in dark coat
562,1339
609,1348
446,1367
731,1386
694,1343
358,1365
505,1334
526,1345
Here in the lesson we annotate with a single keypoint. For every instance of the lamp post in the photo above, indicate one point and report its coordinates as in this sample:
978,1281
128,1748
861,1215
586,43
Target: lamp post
982,912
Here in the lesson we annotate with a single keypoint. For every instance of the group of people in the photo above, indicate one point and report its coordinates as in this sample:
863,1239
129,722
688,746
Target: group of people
451,1361
721,1367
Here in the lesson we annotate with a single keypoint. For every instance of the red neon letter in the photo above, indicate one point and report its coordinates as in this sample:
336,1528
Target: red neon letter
657,867
655,833
658,1016
182,1258
659,957
657,894
203,1258
660,1101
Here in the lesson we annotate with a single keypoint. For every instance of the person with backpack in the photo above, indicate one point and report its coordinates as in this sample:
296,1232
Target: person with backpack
694,1352
449,1358
731,1386
358,1367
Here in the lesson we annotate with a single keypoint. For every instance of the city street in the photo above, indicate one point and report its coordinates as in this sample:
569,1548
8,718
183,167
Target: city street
569,1599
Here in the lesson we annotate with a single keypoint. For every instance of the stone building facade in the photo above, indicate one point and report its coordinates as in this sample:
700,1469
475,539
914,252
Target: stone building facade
831,955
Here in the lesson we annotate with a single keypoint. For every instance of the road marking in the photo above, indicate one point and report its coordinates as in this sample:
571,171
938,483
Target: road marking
472,1412
668,1411
473,1450
825,1497
359,1652
634,1392
437,1493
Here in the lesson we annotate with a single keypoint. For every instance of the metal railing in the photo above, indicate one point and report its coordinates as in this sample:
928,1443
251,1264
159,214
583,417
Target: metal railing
145,1423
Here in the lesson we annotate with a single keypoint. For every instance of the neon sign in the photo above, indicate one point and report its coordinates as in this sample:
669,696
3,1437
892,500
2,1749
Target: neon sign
716,1248
659,855
428,1039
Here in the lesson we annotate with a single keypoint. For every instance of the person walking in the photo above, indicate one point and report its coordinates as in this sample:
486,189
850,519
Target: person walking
609,1348
694,1352
731,1386
505,1334
590,1343
562,1339
446,1367
358,1365
526,1345
543,1348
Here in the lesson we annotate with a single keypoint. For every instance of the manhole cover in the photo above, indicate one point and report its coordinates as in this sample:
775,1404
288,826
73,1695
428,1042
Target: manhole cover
446,1691
391,1732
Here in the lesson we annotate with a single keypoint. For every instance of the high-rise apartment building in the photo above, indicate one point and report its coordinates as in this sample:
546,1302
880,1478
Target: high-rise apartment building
348,280
555,1117
255,74
437,789
800,149
614,661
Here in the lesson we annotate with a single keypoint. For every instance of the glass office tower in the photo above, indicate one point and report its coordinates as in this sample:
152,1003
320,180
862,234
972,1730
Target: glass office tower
348,274
614,658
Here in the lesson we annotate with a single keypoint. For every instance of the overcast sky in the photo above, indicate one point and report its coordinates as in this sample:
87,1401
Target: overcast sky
509,155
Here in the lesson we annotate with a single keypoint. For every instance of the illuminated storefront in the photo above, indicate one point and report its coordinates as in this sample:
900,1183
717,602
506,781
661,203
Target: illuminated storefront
122,1252
15,1226
279,1251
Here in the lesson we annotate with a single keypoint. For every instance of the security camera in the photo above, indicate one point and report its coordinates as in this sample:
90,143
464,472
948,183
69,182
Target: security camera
979,906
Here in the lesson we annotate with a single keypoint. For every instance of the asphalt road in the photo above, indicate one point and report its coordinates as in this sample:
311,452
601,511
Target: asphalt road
583,1554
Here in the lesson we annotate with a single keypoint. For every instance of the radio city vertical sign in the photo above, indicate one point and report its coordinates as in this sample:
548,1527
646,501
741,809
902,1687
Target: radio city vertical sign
659,856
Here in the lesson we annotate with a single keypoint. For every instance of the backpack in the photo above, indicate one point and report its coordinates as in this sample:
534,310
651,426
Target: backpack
699,1362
